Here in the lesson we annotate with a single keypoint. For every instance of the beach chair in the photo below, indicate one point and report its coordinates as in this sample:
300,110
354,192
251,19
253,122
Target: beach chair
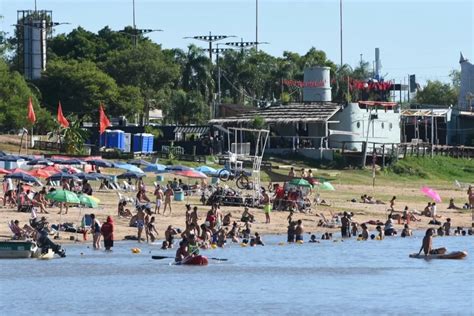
24,205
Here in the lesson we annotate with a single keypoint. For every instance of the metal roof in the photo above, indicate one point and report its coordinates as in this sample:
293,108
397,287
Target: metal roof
293,113
191,129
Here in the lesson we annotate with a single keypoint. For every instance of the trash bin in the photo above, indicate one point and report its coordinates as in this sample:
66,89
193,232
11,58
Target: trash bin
179,195
160,178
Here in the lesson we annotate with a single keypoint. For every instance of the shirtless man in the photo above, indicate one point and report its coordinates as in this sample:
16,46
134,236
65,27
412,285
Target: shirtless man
140,223
365,232
182,252
447,227
299,231
168,194
159,198
170,233
194,220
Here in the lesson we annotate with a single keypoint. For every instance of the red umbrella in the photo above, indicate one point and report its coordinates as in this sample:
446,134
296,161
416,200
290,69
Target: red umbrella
19,170
190,174
41,173
4,171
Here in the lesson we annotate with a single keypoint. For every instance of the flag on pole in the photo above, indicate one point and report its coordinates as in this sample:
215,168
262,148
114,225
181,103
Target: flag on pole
61,119
31,112
103,120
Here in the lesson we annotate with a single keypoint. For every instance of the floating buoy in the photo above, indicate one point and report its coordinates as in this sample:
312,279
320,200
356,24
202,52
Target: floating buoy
213,246
300,242
136,250
359,238
377,238
243,244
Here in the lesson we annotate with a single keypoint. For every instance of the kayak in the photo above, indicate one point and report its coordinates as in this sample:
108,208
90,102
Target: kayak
197,261
451,255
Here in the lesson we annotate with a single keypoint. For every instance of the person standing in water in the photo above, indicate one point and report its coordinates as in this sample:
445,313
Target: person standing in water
267,206
107,231
299,231
95,228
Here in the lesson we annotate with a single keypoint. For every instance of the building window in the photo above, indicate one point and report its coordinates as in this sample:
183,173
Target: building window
358,124
390,125
383,125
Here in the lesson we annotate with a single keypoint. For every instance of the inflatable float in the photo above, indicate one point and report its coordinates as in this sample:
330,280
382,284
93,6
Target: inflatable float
196,261
451,255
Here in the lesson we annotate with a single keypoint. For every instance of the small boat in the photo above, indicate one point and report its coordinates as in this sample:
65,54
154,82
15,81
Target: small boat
196,261
451,255
17,249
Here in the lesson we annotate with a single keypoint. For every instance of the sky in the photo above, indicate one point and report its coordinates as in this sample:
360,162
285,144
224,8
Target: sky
418,37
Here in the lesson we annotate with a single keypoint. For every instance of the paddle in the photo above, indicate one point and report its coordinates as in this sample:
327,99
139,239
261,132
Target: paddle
167,257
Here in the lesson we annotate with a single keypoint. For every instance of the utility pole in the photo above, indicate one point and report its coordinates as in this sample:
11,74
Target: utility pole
135,33
242,45
210,39
340,18
256,24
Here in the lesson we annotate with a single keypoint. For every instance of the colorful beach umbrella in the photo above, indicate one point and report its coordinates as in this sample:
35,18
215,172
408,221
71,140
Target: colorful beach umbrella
4,171
40,173
139,162
206,170
155,167
131,175
429,192
35,162
300,183
127,167
190,174
22,176
88,200
327,186
87,176
64,196
177,168
100,163
62,176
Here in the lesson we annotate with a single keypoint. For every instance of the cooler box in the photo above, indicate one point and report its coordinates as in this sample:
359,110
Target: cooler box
179,195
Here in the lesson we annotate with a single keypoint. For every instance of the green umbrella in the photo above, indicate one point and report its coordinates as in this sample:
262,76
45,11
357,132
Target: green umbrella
326,186
63,196
300,183
87,200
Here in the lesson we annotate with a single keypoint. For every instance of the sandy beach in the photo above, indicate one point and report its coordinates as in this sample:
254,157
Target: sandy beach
339,200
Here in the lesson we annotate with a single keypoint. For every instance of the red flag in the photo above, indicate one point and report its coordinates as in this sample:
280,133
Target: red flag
31,112
61,119
103,120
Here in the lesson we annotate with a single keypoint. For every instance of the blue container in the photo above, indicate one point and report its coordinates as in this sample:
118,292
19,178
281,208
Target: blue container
160,178
140,143
151,139
115,139
179,195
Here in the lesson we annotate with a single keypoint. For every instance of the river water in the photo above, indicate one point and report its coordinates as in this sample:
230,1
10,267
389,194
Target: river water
350,277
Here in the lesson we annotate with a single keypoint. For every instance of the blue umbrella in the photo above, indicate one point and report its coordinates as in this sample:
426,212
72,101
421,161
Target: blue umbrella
177,168
87,176
9,158
61,176
100,163
74,162
131,175
138,162
128,167
155,167
44,162
206,170
100,176
24,177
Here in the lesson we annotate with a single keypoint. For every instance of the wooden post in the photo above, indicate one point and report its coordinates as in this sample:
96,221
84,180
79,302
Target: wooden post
383,156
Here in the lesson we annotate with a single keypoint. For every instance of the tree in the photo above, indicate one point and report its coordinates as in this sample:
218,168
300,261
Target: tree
186,108
14,95
74,137
80,86
436,92
196,71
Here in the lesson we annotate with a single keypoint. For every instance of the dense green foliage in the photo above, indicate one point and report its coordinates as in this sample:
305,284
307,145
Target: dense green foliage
85,69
